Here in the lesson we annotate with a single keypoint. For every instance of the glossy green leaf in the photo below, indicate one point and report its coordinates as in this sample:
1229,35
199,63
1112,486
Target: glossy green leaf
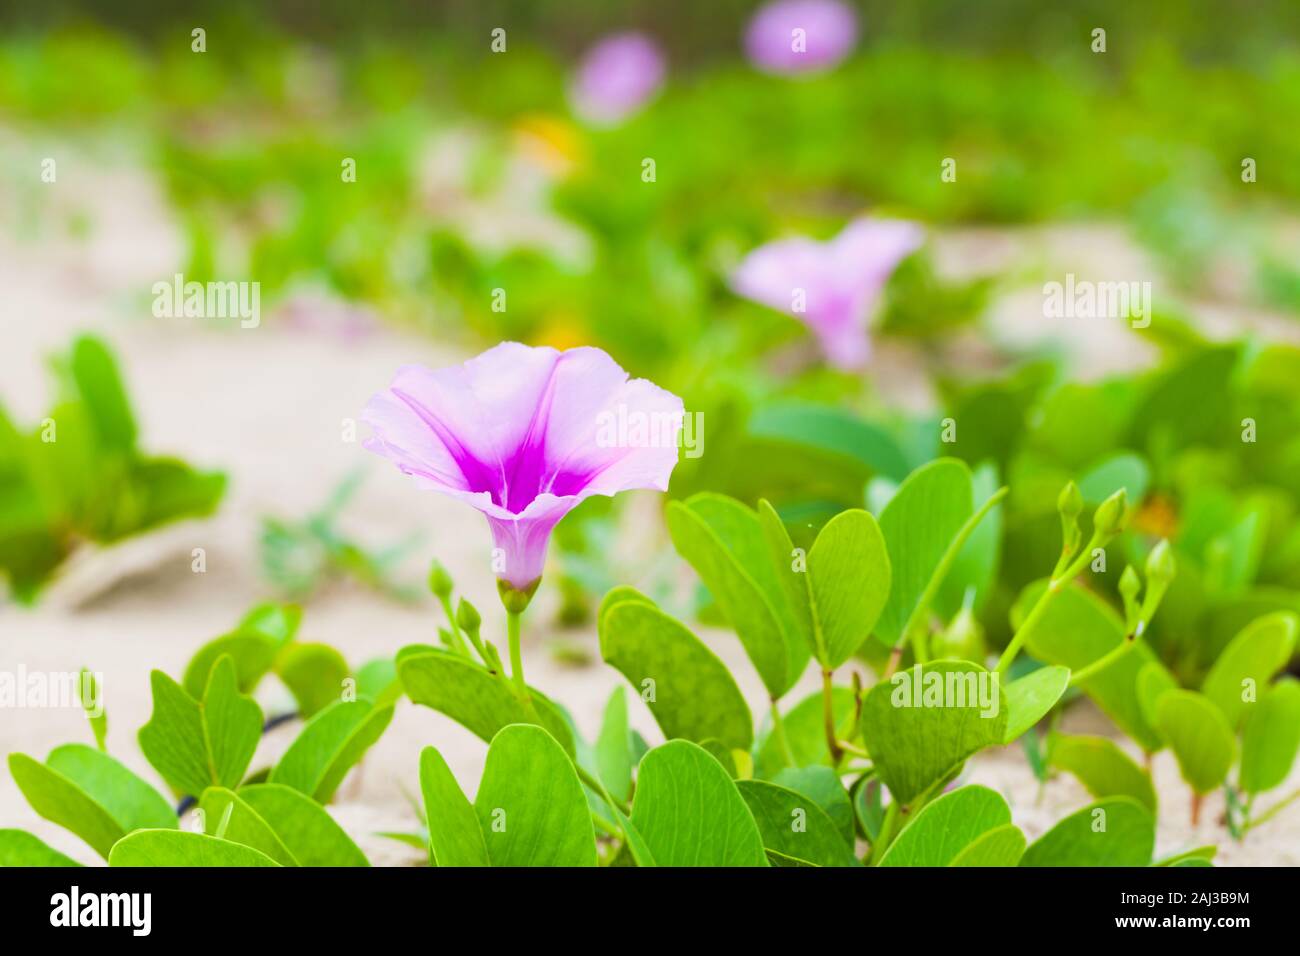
794,825
1103,768
690,813
1117,831
976,564
20,848
1152,683
849,581
59,800
132,802
472,696
303,825
177,848
252,651
1031,697
195,745
94,371
823,786
530,804
1245,667
919,524
377,679
686,686
725,543
1124,470
1001,846
614,747
314,674
455,838
946,826
922,724
832,431
1199,736
90,694
330,745
243,825
1271,738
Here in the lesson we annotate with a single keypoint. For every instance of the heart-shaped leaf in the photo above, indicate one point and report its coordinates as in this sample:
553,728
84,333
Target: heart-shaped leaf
1248,663
1199,736
688,689
314,674
1032,696
1103,769
530,804
454,835
919,523
172,848
1271,737
724,542
805,731
303,825
20,848
195,745
794,825
469,694
946,826
1001,846
330,745
1117,831
1077,629
823,786
690,813
922,724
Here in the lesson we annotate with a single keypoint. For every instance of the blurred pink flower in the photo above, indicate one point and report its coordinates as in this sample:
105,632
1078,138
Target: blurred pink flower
616,77
829,32
831,286
525,434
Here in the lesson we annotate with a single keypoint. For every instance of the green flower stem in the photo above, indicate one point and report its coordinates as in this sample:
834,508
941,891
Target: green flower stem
778,730
1044,601
457,638
1101,663
828,718
885,836
513,620
1271,812
594,782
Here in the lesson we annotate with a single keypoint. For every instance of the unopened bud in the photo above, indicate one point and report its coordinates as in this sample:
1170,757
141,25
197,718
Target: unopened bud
440,582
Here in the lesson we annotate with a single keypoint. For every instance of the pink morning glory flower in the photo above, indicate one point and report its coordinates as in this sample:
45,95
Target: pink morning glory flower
799,36
525,434
831,286
616,77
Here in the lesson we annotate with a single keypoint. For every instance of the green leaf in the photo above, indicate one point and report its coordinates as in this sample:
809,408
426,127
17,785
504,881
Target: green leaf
919,524
922,724
455,838
1248,663
976,564
469,694
1123,470
94,372
794,825
279,622
690,813
946,826
614,747
173,848
92,702
637,848
1271,737
1078,628
243,826
849,579
252,651
304,826
59,800
830,431
823,786
1117,831
330,745
1199,736
132,802
805,731
1103,769
377,679
724,542
530,803
1152,682
1032,696
314,674
1202,853
196,745
1001,846
20,848
694,695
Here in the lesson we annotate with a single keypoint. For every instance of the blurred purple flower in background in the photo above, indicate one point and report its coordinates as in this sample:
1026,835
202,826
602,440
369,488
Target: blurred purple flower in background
523,435
798,36
830,286
616,77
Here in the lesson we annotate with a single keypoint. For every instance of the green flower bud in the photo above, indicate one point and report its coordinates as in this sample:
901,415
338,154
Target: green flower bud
1160,563
1111,516
1070,503
467,617
1129,584
440,582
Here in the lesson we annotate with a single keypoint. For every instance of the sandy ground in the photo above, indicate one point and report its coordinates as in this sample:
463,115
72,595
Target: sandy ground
268,405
